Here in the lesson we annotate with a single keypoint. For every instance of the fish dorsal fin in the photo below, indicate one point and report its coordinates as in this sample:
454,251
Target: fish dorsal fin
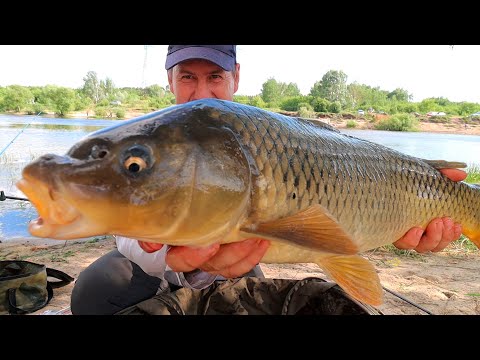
356,276
313,228
442,164
318,123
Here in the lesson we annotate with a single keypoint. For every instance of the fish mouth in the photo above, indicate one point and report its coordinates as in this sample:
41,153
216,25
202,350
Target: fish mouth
55,213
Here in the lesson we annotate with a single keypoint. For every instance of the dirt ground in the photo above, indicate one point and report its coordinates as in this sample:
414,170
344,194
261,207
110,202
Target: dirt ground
446,283
456,126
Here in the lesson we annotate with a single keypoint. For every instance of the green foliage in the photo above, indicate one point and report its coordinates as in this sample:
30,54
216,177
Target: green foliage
16,98
270,91
320,105
257,101
292,103
332,87
335,107
274,92
306,112
120,113
61,99
399,122
399,95
473,174
351,124
100,112
91,87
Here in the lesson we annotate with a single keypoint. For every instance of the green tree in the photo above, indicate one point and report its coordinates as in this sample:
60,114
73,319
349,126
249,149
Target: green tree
17,98
399,95
108,89
271,91
61,99
91,87
332,87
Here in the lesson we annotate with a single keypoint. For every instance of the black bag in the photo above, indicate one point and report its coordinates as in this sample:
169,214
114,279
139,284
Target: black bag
255,296
24,287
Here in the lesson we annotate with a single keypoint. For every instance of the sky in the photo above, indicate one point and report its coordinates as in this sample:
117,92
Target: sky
423,70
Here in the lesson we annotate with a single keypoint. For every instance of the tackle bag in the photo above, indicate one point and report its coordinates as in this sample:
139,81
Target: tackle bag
255,296
24,287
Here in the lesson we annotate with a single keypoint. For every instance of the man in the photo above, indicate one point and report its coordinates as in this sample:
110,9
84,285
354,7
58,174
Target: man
137,270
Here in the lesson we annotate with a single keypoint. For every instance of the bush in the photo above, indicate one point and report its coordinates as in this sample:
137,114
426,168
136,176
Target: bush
293,103
120,113
351,124
100,112
304,112
398,122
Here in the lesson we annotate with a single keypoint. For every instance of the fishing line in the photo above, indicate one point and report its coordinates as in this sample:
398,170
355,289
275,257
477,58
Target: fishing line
11,142
408,301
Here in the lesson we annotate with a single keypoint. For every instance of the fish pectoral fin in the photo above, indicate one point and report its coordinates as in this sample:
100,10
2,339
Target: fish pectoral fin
356,276
442,164
313,228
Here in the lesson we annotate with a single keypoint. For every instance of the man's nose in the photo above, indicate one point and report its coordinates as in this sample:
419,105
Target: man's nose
202,91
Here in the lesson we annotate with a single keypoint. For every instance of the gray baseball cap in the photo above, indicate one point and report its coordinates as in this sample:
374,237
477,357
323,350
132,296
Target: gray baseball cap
222,55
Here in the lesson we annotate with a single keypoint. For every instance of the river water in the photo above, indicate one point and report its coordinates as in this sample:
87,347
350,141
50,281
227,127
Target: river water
34,136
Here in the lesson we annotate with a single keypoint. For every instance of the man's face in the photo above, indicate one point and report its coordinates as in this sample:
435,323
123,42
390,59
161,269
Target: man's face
199,79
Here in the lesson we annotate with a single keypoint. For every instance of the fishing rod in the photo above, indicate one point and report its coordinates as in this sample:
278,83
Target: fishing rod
4,197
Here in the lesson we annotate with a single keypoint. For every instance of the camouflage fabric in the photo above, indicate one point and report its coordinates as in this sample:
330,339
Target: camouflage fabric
255,296
24,287
28,280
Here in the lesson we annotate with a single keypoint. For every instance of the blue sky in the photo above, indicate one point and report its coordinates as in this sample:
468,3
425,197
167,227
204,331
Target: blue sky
422,70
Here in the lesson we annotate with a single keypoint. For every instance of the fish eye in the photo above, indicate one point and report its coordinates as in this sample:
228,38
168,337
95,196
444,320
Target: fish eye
135,164
136,158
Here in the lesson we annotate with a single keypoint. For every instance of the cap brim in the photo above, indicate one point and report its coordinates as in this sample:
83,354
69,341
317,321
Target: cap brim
223,60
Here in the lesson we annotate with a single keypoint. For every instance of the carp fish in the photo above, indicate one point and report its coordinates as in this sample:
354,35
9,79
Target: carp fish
213,171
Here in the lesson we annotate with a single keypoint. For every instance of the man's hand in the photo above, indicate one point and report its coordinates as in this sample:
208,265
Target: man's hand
439,233
229,260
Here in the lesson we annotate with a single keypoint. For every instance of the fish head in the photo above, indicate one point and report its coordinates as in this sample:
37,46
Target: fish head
173,179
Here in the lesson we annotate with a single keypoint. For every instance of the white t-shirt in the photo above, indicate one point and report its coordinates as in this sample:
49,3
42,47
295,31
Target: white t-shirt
154,264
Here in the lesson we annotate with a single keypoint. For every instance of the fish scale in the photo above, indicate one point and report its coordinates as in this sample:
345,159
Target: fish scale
346,175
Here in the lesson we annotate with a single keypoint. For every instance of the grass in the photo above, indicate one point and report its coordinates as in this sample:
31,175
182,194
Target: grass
473,176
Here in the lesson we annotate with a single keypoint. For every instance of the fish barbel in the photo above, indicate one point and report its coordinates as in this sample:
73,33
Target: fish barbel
212,171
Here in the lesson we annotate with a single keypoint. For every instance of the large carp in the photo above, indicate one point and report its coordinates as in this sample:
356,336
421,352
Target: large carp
213,171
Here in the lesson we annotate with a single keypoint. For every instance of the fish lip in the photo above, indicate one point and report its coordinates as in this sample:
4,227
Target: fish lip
53,210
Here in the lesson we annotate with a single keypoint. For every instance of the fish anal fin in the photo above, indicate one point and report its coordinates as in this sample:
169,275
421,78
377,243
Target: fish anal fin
356,276
312,228
473,235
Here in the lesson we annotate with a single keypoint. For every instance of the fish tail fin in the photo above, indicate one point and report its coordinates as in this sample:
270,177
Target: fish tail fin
355,275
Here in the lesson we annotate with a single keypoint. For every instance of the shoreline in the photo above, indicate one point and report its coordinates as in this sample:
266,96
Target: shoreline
455,126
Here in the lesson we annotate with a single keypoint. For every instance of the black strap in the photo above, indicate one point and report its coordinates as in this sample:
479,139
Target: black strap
64,278
12,302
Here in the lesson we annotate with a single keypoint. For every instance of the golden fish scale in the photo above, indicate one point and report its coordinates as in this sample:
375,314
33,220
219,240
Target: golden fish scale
359,182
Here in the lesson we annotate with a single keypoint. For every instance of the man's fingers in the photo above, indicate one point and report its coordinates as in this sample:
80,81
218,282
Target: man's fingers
183,258
410,240
450,233
149,247
431,237
236,259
